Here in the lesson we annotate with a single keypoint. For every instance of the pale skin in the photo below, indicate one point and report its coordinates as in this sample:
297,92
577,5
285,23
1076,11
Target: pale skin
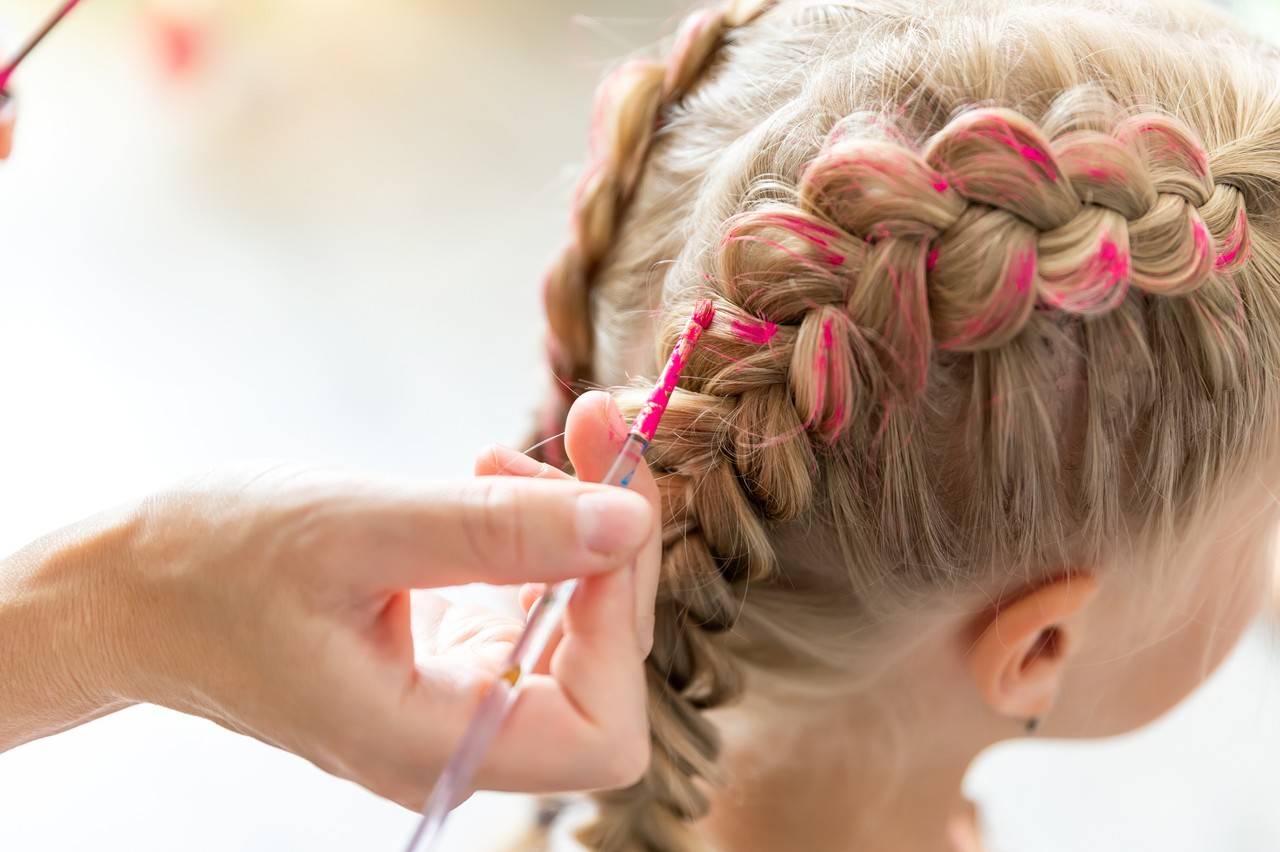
276,605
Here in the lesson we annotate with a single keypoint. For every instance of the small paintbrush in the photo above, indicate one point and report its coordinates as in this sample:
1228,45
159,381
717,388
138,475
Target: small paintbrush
548,611
25,50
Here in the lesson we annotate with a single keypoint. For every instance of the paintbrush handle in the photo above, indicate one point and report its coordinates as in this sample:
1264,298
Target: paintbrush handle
25,50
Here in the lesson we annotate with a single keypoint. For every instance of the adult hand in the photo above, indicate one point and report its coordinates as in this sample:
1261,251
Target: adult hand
277,607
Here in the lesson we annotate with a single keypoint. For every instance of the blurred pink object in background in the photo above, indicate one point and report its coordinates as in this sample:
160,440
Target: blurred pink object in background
179,39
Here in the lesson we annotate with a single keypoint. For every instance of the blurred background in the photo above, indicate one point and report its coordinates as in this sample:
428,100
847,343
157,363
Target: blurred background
314,229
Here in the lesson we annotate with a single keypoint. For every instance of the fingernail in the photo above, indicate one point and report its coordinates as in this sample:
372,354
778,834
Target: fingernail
613,521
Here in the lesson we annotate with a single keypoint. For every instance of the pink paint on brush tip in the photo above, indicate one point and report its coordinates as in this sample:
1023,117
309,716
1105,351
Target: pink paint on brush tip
704,313
759,332
646,424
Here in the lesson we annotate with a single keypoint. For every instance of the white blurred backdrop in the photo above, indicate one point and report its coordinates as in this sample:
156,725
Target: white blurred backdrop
314,229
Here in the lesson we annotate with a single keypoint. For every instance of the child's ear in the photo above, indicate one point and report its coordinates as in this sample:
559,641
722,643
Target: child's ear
1023,645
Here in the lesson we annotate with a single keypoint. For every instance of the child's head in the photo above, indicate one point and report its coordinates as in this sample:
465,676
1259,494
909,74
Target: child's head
985,430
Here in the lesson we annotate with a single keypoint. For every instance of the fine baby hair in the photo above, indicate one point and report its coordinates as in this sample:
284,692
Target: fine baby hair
998,295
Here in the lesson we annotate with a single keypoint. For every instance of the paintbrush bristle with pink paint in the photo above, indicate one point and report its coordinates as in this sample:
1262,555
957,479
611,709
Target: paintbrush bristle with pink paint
547,613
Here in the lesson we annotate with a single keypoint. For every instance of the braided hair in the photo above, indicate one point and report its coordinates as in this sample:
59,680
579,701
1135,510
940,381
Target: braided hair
984,299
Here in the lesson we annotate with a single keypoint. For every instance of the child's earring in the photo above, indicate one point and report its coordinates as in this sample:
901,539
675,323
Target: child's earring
1033,724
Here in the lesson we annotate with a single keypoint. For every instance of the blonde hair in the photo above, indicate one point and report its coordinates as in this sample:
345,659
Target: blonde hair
998,289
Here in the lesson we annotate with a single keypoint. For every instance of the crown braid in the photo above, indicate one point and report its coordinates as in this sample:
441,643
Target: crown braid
894,250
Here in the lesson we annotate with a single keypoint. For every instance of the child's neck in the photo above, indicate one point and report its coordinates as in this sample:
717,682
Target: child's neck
833,787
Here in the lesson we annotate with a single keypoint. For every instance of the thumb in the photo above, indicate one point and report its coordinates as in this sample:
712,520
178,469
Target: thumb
593,435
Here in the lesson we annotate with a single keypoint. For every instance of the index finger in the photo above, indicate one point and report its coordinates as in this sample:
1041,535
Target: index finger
500,530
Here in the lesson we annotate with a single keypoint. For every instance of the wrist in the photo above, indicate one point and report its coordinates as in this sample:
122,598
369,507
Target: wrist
61,628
